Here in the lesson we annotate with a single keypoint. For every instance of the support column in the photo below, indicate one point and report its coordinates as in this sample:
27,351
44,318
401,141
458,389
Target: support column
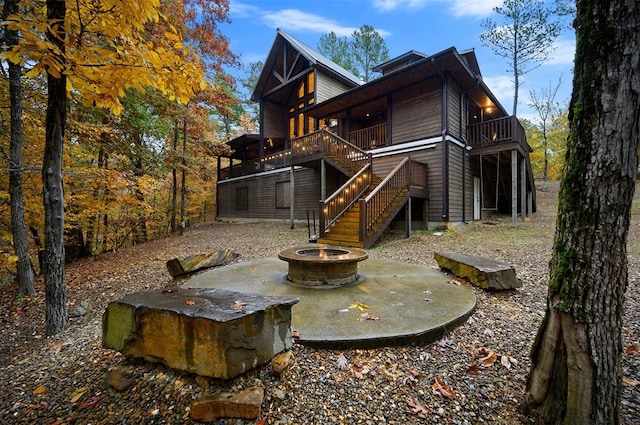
323,180
408,219
291,197
514,187
523,189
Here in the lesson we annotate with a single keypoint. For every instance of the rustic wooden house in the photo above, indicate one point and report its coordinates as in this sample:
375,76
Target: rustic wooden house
425,145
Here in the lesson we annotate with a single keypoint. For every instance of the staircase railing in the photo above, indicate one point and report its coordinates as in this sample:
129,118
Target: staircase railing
349,156
378,202
332,208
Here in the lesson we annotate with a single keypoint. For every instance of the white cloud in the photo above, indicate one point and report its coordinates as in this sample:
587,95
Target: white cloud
564,53
474,8
502,87
242,10
296,20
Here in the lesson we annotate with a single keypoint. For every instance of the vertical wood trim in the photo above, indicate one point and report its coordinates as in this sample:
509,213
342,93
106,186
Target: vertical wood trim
323,180
389,142
514,187
292,200
523,189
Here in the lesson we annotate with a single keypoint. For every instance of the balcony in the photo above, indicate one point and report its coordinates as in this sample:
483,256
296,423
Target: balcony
499,134
370,137
270,162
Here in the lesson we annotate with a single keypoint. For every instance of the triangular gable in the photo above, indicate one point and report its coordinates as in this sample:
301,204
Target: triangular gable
288,58
469,57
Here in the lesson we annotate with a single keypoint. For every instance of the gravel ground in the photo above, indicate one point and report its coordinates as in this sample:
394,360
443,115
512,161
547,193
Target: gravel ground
62,379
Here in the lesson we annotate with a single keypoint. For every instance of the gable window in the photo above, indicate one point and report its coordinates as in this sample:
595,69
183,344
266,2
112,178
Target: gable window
283,195
242,198
299,123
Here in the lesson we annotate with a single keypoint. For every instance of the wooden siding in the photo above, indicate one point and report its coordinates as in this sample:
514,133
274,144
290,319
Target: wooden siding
456,155
275,121
453,99
327,87
262,196
417,112
433,158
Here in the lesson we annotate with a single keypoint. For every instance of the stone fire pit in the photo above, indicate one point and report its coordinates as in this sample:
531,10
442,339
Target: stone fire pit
323,266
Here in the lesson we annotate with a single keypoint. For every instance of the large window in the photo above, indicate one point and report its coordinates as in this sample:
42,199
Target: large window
299,124
283,195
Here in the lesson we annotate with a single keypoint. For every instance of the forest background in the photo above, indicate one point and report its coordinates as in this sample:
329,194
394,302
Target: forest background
148,167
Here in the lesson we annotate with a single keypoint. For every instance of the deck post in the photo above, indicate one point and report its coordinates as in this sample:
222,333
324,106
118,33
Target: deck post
523,189
409,217
291,196
514,187
323,180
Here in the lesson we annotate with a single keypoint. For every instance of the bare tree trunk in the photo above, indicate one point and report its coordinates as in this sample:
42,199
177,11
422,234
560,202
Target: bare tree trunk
52,188
174,175
183,186
576,375
24,271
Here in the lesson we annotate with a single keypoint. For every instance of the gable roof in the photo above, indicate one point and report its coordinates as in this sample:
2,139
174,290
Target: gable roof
463,65
406,59
315,60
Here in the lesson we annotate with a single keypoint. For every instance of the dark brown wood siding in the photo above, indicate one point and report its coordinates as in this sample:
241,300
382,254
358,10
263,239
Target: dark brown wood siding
327,87
262,196
456,156
453,98
416,111
275,121
431,156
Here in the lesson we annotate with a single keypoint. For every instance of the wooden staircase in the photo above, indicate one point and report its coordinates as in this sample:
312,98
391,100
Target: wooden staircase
360,210
346,230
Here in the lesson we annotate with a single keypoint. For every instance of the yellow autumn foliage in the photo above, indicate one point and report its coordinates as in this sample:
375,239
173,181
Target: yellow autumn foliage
107,51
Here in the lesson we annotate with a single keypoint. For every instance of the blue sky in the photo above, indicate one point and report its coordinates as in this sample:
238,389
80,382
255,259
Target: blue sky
427,26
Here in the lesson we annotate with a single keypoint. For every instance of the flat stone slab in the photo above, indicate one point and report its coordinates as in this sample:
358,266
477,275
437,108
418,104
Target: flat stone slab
407,303
480,271
193,263
207,331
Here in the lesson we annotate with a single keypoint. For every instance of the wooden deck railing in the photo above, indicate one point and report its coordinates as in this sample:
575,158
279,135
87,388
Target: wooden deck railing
322,141
341,200
378,202
370,137
270,162
507,129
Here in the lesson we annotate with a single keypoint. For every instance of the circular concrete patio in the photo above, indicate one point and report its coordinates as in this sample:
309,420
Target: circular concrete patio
392,303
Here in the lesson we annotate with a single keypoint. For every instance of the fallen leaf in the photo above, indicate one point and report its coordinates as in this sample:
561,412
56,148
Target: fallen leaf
504,360
417,407
189,302
440,387
630,381
92,401
360,306
473,369
342,362
262,421
281,362
295,334
78,394
367,316
238,305
633,348
40,390
489,358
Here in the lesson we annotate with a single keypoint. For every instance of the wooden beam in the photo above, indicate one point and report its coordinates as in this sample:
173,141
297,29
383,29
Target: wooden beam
514,187
291,197
523,189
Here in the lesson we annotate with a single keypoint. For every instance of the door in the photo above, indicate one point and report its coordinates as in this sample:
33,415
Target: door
476,198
